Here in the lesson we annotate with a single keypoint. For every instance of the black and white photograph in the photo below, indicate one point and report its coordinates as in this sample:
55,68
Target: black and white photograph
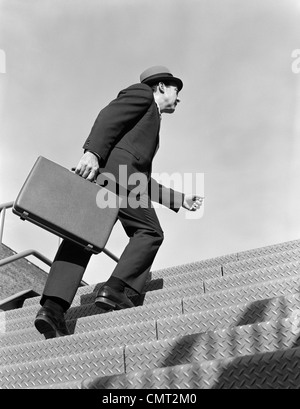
149,196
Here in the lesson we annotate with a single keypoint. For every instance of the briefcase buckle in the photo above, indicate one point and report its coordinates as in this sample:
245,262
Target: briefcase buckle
24,215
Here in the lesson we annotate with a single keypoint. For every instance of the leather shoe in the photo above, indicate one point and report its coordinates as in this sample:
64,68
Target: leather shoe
50,323
110,299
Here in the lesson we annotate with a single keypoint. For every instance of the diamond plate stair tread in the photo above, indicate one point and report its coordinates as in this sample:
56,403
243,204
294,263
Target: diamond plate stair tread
220,261
89,297
243,294
252,277
178,280
167,276
244,314
23,331
89,341
64,369
212,300
176,291
212,345
270,249
210,285
206,267
240,266
27,316
234,315
231,258
257,285
271,370
87,294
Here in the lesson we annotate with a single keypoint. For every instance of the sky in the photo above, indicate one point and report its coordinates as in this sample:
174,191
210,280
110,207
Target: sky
238,123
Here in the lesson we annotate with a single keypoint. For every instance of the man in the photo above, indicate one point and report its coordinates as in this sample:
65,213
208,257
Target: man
125,133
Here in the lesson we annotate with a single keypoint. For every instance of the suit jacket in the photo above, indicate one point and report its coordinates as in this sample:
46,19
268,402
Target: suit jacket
126,132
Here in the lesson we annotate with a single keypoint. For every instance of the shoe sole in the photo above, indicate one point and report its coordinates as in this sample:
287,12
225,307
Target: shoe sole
46,328
107,304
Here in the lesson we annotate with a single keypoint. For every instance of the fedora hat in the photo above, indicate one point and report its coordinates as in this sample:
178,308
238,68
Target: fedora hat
159,73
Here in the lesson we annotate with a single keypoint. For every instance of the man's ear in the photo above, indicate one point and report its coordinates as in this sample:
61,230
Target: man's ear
161,87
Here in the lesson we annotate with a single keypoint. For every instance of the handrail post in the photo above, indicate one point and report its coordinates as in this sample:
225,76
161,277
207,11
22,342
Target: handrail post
3,208
2,223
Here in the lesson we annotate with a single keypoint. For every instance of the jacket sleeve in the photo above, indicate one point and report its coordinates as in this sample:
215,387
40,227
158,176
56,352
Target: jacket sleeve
165,196
117,118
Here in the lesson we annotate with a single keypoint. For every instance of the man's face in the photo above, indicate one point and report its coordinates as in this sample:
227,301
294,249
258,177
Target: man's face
171,98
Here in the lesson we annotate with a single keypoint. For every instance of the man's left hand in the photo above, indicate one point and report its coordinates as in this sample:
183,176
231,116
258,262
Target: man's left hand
192,202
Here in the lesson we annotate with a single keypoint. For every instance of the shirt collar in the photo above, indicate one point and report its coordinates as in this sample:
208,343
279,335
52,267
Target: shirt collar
158,108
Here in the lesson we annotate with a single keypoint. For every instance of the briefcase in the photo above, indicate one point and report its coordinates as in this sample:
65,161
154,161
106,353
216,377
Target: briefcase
67,205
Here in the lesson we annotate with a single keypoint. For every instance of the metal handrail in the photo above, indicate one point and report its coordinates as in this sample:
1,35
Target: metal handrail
23,254
31,252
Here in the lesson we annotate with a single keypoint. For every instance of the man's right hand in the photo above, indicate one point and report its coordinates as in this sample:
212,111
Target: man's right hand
88,166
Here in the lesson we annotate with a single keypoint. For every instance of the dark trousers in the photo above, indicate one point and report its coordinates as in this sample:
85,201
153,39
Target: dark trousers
145,237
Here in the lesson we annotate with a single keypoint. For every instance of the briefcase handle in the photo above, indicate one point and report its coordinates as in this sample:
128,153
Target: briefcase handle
73,170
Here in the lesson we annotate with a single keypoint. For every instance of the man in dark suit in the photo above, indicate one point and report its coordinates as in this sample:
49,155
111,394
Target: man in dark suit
125,135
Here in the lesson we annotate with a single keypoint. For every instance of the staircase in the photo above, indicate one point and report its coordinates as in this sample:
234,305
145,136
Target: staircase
19,275
227,322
